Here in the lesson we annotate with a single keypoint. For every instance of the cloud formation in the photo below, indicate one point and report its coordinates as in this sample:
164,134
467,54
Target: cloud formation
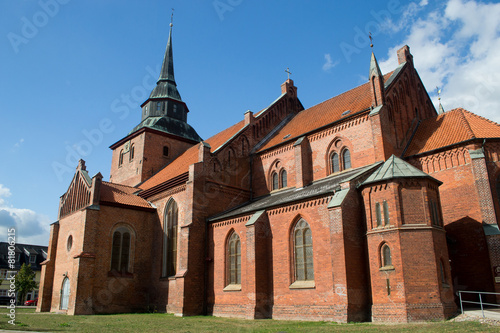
457,48
31,227
329,64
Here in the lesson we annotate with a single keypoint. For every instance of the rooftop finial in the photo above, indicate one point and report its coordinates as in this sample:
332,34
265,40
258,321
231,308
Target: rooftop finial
371,39
287,70
440,108
172,18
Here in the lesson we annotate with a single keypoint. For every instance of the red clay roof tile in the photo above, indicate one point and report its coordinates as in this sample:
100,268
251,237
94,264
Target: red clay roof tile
121,194
449,128
181,164
325,113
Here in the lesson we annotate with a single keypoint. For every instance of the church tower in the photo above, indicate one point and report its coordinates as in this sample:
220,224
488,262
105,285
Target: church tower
161,136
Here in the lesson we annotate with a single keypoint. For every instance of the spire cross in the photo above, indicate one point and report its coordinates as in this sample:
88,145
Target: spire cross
371,39
288,72
172,18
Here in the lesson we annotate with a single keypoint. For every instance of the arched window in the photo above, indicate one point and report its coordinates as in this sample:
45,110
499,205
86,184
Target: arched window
170,239
303,252
275,179
283,178
132,151
335,162
65,294
378,214
120,254
346,159
120,160
386,213
386,256
233,260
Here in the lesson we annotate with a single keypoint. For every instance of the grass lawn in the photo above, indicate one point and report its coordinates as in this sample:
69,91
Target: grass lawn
28,320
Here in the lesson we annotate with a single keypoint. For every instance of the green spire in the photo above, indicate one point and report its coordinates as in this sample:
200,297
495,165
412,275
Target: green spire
166,86
374,68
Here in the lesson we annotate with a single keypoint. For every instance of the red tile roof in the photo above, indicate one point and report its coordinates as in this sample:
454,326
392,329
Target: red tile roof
325,113
121,194
449,128
181,164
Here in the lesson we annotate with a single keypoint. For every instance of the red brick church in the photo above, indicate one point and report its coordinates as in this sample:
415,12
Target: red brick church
368,206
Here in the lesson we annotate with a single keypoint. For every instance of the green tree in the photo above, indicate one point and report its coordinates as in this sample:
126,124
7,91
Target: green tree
25,282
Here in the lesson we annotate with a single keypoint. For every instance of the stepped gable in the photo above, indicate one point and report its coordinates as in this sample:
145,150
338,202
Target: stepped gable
452,127
181,164
116,194
325,113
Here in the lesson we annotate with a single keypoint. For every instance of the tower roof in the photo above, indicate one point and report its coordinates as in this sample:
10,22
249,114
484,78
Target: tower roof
395,167
166,86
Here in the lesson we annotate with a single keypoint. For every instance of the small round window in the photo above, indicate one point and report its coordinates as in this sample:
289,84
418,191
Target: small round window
70,242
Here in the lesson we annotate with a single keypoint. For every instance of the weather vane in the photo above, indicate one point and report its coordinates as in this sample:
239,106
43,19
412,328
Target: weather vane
172,18
439,93
371,39
288,72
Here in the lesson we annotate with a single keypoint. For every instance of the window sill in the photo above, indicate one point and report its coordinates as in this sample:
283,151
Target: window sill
386,268
232,287
303,285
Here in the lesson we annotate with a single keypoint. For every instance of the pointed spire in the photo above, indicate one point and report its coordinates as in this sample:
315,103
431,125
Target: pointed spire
167,68
166,86
374,68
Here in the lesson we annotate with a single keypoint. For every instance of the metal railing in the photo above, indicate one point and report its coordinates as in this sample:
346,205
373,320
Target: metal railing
481,303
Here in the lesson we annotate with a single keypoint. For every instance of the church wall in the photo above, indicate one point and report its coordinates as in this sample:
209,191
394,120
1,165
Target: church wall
148,157
115,291
70,225
461,210
324,301
351,135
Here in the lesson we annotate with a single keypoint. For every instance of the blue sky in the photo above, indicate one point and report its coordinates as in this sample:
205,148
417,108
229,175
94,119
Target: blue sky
74,73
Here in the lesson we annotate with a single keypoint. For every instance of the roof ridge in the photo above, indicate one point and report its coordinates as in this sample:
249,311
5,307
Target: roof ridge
478,116
465,122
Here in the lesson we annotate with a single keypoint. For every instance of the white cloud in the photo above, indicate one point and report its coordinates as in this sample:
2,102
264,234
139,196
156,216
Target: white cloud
18,144
31,227
458,49
423,3
329,64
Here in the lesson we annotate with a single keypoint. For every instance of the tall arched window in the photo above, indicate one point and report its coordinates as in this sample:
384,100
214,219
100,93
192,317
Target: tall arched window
233,260
170,239
386,213
335,162
283,178
132,152
120,159
346,159
303,252
65,294
378,214
120,254
386,259
275,179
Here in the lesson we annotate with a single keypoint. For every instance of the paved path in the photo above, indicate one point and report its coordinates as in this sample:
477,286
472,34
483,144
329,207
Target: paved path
489,313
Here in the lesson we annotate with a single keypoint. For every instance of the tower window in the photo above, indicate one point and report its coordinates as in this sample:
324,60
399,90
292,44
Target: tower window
120,159
132,151
165,151
378,214
158,106
386,260
386,213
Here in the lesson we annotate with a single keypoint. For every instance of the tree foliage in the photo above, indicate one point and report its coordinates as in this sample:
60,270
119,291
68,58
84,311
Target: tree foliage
25,282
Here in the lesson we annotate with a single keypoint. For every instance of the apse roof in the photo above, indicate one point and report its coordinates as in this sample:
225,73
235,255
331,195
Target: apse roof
449,128
395,167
